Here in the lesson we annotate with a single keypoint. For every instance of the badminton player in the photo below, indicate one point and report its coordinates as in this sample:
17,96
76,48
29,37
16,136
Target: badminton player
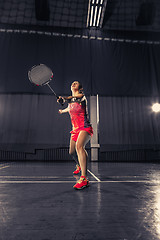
81,130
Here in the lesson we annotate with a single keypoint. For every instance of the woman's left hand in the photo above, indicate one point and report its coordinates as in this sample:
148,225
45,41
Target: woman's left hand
60,111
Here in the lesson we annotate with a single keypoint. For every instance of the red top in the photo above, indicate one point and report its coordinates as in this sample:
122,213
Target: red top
79,113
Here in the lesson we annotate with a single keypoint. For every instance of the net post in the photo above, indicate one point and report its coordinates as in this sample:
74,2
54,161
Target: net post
94,117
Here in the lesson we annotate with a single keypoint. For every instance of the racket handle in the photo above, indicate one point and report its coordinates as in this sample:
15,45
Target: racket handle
60,101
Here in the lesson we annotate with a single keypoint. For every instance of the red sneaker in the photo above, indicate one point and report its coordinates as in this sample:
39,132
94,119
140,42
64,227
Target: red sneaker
78,169
82,183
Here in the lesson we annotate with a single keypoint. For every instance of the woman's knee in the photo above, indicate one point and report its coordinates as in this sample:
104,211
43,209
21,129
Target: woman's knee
79,147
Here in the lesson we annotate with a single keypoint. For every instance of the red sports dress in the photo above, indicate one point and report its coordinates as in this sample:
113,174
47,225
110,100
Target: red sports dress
79,117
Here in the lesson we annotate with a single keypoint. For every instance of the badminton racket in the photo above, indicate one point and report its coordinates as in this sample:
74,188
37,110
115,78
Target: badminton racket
41,75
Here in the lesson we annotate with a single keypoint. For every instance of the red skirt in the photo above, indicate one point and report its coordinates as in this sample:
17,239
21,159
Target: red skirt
75,133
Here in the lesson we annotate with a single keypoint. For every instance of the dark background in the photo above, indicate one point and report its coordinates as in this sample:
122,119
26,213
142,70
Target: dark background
119,62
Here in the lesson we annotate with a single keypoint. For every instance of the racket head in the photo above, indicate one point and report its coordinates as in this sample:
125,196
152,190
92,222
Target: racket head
40,74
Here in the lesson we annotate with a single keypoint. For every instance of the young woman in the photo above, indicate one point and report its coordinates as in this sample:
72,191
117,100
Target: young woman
81,130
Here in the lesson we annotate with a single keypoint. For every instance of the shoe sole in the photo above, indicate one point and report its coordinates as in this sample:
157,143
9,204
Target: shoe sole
81,187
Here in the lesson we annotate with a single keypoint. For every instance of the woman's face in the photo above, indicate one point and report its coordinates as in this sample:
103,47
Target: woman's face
75,86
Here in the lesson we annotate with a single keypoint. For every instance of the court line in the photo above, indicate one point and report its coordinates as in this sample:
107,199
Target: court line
29,181
53,182
94,175
4,167
50,177
41,179
131,181
31,177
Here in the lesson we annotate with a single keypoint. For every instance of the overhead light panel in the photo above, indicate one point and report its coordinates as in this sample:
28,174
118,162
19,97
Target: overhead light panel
95,15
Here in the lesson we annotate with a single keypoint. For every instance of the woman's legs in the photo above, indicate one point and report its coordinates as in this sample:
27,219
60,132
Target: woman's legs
82,140
72,150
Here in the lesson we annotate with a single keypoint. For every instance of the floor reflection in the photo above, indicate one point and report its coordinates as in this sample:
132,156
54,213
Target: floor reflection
157,210
96,198
151,209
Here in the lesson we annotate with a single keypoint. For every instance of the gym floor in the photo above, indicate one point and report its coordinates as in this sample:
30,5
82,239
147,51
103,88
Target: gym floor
38,202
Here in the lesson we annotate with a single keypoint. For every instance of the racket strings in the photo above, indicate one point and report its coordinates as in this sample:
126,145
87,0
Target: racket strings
40,74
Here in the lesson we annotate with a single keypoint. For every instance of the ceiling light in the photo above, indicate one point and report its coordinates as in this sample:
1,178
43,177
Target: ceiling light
96,10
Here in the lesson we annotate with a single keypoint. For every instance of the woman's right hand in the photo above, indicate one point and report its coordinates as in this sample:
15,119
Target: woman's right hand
59,99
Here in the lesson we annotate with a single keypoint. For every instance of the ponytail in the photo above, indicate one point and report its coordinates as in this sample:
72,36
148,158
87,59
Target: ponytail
80,88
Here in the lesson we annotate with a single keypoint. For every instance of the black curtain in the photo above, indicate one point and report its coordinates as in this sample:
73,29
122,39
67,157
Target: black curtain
69,60
125,75
128,123
125,69
105,67
30,121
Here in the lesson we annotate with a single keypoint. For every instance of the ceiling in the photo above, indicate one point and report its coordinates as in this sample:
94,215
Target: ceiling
130,15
